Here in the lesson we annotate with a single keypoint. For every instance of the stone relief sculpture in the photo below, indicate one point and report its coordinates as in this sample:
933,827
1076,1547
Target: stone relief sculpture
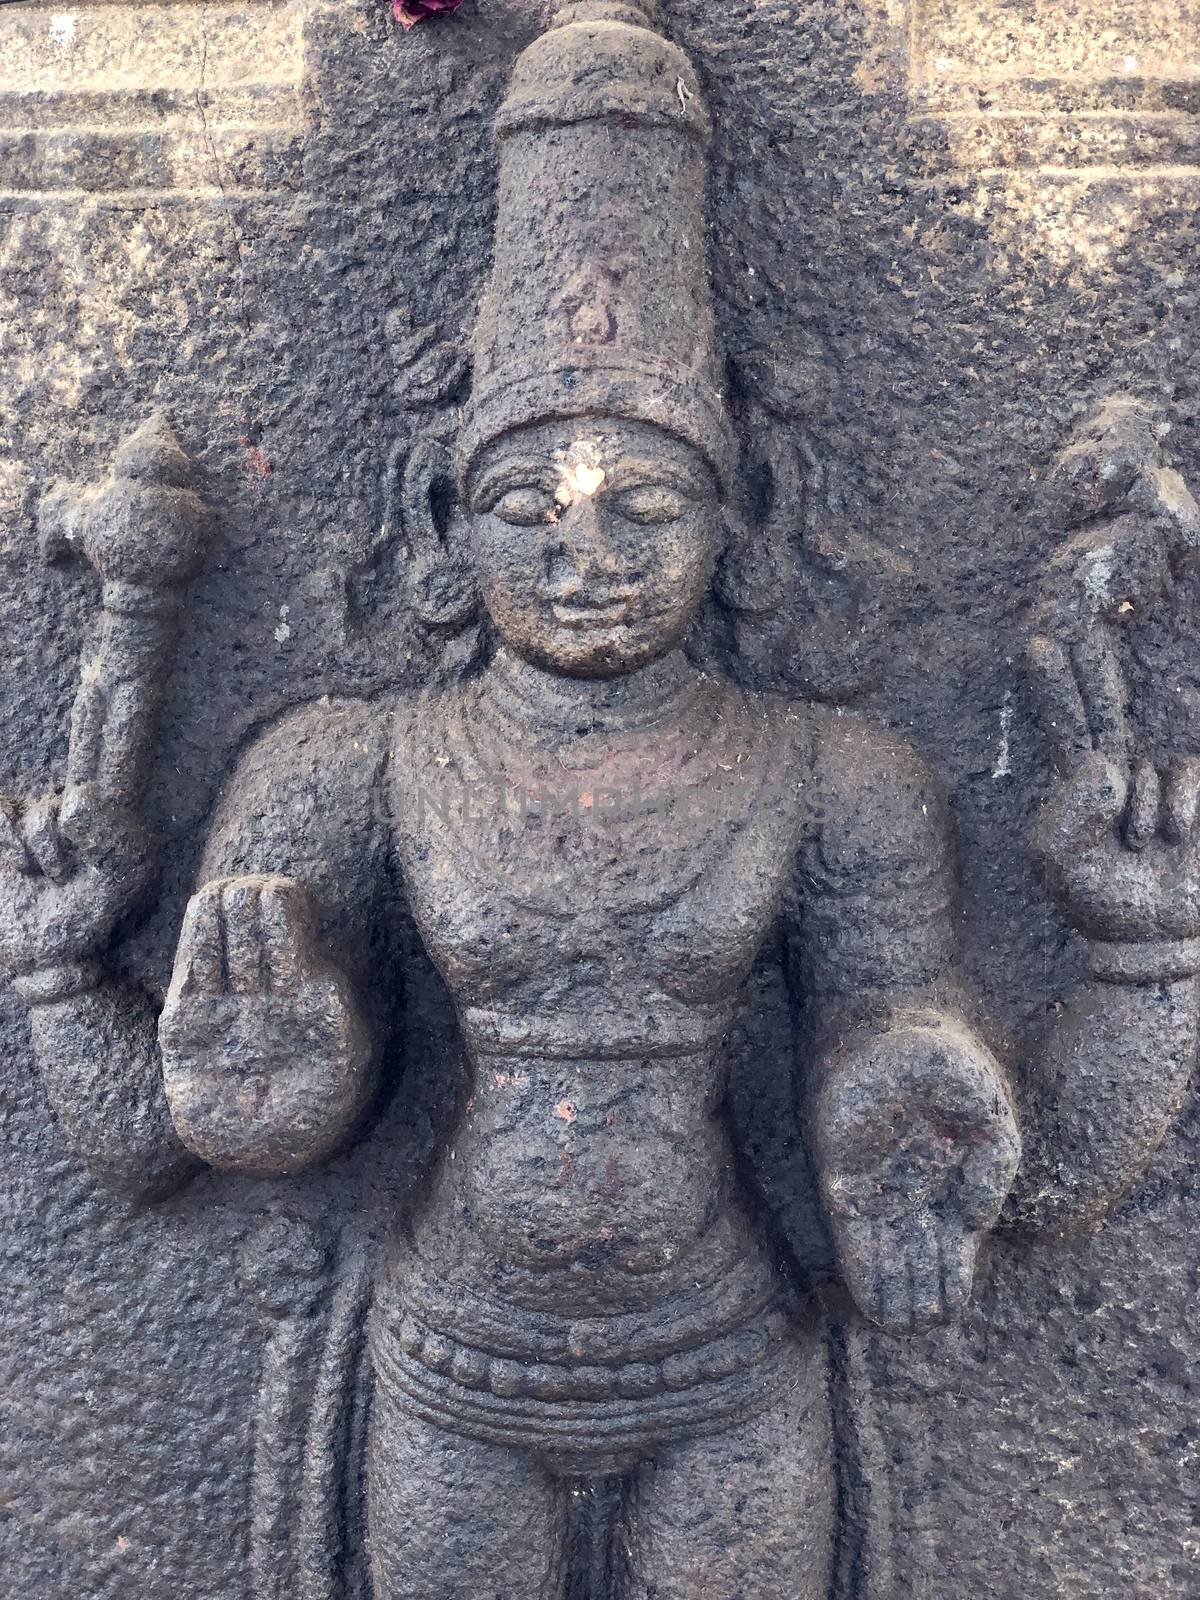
595,839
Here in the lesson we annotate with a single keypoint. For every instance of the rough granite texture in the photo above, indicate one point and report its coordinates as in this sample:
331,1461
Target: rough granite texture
943,232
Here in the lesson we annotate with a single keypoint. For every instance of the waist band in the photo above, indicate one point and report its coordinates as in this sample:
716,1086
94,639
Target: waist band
667,1028
590,1412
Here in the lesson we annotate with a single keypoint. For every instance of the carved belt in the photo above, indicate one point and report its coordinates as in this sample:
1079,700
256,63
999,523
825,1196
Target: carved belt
667,1028
585,1411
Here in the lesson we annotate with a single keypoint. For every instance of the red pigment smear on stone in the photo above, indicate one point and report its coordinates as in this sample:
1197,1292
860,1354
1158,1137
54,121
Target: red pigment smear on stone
409,12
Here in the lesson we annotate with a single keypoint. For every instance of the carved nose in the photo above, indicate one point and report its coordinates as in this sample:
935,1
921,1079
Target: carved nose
589,554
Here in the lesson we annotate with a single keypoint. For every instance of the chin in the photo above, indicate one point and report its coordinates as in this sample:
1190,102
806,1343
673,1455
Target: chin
609,651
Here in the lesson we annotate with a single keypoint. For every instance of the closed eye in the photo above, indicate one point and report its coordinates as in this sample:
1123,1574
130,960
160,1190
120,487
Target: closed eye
652,503
529,506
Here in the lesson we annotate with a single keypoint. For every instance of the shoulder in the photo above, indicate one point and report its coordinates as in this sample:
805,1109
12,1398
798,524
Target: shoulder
329,739
853,757
307,792
844,760
421,718
873,798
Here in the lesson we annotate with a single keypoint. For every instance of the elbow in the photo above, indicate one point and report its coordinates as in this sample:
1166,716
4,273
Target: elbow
1097,1105
134,1153
1069,1185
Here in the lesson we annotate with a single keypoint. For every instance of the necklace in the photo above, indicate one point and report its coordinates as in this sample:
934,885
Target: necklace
581,722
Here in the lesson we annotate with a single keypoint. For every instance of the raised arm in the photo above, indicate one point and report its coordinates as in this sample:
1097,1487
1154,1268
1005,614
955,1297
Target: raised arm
1105,1089
63,890
1117,838
267,1051
269,1033
912,1125
275,1013
74,865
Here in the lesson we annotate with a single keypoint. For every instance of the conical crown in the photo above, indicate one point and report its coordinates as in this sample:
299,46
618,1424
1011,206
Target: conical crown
599,302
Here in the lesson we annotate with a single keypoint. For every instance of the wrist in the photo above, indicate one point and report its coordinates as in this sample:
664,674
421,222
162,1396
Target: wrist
1144,960
47,986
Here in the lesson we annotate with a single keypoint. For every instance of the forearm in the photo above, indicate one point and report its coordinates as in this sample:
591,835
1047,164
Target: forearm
1102,1097
95,1043
911,1121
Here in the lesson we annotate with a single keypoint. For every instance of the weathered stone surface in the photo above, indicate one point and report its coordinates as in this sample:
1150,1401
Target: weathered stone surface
941,236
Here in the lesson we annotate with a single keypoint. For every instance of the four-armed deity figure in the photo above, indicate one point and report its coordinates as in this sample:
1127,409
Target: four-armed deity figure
584,1286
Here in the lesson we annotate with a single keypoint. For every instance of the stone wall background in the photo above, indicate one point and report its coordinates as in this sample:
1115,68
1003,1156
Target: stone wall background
953,226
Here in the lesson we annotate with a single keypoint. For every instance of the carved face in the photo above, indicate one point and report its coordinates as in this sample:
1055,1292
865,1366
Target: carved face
594,543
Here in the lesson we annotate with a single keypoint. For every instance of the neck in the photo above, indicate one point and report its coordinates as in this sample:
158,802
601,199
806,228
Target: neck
549,700
641,13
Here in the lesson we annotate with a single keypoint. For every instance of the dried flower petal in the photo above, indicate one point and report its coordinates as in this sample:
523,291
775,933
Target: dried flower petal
409,12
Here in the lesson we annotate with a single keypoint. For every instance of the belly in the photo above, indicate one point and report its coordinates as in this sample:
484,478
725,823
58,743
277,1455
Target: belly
619,1164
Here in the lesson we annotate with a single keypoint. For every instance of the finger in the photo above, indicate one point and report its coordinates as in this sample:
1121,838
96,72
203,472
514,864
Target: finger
861,1251
987,1176
13,853
1141,817
1181,800
893,1309
243,936
1060,705
958,1252
1102,685
286,931
923,1253
874,1270
1082,809
200,961
87,729
881,1279
44,840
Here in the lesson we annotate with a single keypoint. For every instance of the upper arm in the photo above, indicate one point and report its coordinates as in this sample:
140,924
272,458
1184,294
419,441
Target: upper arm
876,882
307,800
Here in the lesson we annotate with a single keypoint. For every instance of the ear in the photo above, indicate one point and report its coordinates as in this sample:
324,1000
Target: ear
753,578
421,505
434,535
767,511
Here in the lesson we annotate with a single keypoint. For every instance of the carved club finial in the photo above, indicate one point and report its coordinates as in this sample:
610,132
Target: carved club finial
143,526
152,454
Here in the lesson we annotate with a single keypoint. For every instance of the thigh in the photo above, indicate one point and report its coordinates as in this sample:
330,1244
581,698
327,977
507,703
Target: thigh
450,1518
746,1514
